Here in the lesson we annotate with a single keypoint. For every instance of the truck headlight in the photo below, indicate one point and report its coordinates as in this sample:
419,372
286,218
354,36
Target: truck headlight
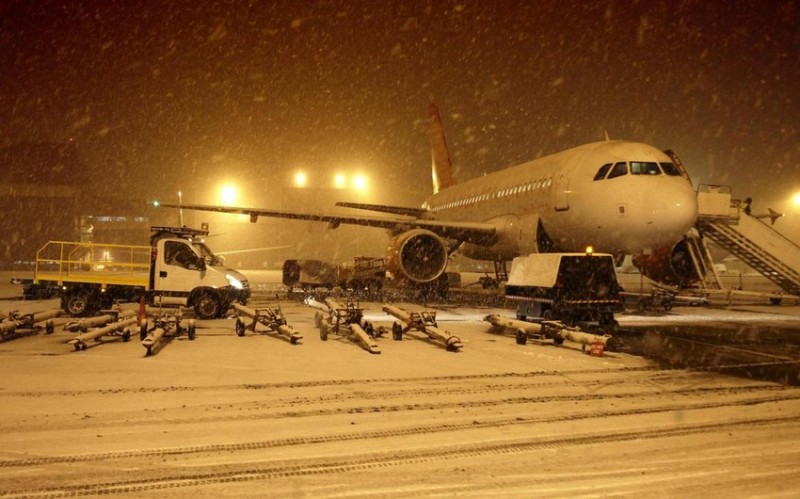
236,283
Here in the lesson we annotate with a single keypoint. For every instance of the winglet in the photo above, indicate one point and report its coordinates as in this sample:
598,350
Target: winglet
442,169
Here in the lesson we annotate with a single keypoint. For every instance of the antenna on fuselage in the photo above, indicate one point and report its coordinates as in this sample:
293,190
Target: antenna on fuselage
605,132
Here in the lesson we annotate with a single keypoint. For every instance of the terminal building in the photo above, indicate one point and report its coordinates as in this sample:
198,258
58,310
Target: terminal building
49,194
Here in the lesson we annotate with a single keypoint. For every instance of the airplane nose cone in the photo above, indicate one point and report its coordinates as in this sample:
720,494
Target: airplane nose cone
671,208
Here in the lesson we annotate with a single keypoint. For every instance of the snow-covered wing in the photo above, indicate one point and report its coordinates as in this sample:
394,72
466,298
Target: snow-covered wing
382,208
469,232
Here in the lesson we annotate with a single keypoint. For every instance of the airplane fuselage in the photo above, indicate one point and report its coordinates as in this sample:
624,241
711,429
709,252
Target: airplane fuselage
645,205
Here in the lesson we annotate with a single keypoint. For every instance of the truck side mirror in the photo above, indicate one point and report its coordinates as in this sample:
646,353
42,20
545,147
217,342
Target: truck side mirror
201,264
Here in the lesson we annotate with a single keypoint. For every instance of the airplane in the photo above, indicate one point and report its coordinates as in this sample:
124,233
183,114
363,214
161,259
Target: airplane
615,196
771,214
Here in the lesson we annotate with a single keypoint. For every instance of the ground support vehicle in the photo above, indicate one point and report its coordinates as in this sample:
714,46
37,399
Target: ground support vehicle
112,322
177,269
550,332
31,291
345,320
423,322
366,274
574,288
663,297
16,324
165,327
271,318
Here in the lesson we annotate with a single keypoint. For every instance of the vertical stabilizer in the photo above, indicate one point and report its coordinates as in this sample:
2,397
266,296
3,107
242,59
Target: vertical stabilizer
440,159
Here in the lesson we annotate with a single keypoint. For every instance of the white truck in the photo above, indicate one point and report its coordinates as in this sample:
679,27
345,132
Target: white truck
177,268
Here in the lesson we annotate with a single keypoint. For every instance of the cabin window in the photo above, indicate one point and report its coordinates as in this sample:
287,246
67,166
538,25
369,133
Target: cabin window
618,170
601,173
645,168
670,169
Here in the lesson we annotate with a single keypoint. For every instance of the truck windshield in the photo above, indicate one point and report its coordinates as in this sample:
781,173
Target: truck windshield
205,252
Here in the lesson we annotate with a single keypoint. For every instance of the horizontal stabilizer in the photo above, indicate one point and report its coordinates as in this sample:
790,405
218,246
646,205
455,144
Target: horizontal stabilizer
381,208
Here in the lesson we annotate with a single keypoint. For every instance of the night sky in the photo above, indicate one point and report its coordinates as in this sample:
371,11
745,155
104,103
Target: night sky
158,96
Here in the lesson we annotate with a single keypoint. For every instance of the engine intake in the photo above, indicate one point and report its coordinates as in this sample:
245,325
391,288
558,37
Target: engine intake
668,265
417,255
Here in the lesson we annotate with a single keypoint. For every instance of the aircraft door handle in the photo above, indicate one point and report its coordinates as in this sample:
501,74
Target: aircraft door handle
162,274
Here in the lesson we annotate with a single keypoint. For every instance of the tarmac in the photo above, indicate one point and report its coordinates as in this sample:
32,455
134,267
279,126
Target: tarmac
224,415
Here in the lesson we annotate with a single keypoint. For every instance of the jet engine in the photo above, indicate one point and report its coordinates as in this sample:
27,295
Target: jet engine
417,255
671,265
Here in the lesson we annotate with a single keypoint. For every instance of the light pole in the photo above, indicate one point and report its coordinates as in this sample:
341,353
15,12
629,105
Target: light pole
180,209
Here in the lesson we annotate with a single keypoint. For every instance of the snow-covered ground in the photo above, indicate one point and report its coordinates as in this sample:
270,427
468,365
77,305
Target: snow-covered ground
258,416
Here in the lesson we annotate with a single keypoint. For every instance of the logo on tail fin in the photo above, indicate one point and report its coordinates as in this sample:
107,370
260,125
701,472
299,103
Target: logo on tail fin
441,167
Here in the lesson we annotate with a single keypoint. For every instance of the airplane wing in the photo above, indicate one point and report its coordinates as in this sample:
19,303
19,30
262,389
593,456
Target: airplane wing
477,233
382,208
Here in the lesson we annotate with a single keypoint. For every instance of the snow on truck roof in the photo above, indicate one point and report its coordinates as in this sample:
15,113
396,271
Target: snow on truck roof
541,269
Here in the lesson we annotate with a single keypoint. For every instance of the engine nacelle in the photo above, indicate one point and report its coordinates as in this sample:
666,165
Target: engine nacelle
417,255
668,265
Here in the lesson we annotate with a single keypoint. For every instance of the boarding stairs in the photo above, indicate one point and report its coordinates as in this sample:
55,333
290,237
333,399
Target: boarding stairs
747,237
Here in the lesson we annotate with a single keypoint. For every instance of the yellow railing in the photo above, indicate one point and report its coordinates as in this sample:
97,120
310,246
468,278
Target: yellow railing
104,264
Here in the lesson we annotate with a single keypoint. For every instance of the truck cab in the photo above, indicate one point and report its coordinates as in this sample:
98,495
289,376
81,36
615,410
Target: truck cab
186,272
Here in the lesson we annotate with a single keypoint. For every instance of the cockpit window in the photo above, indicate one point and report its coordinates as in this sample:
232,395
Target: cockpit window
644,168
601,173
619,170
670,169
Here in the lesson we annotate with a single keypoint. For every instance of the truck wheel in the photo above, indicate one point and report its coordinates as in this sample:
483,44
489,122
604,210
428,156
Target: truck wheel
522,337
77,303
207,305
191,330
